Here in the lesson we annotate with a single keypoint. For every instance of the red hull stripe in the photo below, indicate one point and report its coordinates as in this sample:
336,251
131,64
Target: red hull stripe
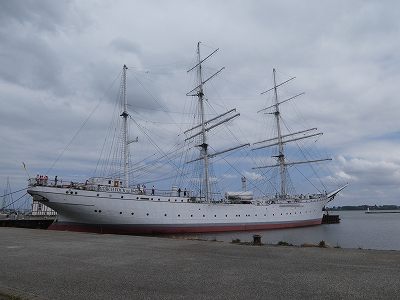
150,229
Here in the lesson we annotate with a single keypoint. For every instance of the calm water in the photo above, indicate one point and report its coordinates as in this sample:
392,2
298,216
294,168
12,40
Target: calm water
356,230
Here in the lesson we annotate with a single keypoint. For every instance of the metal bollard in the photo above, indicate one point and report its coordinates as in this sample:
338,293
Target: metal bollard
257,239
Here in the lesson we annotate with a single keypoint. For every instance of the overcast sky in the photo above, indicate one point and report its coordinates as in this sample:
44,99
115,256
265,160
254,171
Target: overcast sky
58,60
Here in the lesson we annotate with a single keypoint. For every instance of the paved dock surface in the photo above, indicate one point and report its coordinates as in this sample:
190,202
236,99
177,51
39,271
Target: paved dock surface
42,264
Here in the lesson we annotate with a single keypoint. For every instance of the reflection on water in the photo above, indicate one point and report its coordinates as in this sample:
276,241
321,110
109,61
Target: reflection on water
356,230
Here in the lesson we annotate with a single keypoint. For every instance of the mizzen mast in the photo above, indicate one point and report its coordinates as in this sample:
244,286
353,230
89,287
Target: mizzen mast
125,116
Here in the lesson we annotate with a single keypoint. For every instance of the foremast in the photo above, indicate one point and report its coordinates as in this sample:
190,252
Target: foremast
281,139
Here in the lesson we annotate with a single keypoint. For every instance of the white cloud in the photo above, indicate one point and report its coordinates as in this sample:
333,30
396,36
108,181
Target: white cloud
253,176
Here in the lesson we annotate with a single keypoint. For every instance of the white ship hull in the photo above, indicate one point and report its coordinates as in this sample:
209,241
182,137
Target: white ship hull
115,211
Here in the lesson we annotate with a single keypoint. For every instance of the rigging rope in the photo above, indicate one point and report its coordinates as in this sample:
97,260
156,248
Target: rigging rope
13,192
81,127
15,200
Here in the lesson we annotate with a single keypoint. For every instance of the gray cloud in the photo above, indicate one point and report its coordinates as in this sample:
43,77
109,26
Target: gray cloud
124,45
60,59
42,15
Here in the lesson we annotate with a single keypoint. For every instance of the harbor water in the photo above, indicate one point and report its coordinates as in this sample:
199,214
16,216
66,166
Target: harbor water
356,229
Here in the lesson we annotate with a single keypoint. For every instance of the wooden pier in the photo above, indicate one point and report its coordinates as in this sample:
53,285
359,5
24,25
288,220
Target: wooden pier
330,219
33,223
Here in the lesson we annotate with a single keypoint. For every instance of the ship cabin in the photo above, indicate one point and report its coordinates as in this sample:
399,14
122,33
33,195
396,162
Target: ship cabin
101,181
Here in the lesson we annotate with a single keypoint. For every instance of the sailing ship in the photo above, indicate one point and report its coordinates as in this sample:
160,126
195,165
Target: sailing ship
111,205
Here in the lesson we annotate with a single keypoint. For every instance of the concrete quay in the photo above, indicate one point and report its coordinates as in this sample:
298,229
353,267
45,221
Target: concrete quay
43,264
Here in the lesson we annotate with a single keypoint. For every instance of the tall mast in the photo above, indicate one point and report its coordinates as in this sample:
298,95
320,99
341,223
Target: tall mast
281,155
204,145
205,125
281,140
125,115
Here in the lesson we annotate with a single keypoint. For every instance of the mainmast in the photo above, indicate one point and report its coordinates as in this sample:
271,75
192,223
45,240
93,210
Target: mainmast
281,155
203,145
205,125
125,115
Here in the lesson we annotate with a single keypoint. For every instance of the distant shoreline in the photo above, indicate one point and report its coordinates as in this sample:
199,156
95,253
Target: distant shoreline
365,208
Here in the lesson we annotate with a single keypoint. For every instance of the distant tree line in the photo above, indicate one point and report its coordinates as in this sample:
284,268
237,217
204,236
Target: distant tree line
364,207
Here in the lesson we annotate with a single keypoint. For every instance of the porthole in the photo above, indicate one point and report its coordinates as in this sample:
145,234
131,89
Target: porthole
137,198
169,200
256,215
191,216
158,199
98,195
147,214
281,214
226,216
122,197
204,216
181,200
99,210
95,210
66,192
179,215
215,216
151,198
120,212
175,200
76,193
165,215
273,214
265,215
71,192
132,213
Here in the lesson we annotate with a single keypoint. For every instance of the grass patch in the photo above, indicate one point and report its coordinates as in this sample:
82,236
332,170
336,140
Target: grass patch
9,297
283,243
